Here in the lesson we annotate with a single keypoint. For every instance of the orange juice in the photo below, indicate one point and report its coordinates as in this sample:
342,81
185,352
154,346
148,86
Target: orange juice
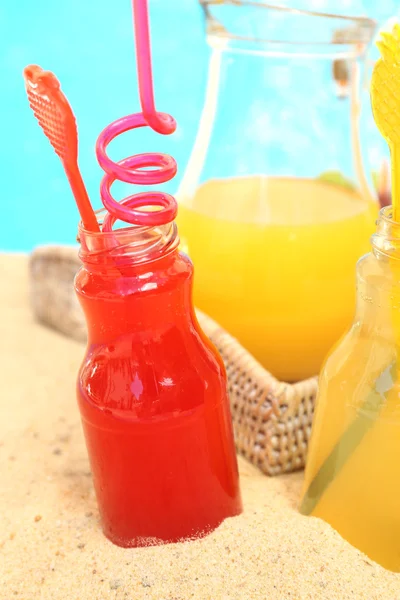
360,499
351,479
275,260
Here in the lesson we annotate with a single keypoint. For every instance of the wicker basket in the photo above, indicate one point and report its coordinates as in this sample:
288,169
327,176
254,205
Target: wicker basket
51,275
271,419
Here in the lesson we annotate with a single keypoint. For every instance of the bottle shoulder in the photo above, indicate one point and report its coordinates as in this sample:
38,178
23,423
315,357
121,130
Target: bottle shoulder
362,351
376,268
120,279
153,372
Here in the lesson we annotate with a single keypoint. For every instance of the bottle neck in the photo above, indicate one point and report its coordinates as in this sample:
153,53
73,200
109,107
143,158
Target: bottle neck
126,250
378,281
134,281
386,240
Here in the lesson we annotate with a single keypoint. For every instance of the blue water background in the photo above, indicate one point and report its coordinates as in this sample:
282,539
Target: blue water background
89,45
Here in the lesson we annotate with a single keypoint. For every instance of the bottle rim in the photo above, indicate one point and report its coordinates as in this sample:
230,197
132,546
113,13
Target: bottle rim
386,240
128,245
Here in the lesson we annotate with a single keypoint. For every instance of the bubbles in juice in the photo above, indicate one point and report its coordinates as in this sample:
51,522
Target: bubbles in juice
275,263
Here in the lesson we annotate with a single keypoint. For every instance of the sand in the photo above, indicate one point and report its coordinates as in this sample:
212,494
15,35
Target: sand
51,544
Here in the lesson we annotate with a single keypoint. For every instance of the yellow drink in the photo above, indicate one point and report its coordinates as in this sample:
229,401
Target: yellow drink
352,475
352,479
274,261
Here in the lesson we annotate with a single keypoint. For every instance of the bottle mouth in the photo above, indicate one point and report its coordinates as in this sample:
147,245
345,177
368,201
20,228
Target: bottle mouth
248,24
386,217
386,240
128,245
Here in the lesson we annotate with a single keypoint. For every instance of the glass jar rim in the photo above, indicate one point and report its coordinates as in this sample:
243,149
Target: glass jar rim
361,32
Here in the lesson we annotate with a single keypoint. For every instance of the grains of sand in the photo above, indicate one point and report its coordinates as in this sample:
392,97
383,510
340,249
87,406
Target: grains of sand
51,543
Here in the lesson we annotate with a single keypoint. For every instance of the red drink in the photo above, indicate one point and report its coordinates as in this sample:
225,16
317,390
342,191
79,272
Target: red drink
152,393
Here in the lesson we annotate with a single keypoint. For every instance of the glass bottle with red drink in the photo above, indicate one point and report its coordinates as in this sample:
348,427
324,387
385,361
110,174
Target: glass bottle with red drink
152,392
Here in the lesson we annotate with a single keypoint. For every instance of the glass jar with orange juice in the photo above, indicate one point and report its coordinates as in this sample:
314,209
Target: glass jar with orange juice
275,208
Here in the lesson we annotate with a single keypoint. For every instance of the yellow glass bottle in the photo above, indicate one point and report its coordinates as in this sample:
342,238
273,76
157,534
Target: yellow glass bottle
351,478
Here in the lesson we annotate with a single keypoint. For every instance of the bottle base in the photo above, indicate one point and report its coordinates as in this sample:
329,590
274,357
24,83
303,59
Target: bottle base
147,541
